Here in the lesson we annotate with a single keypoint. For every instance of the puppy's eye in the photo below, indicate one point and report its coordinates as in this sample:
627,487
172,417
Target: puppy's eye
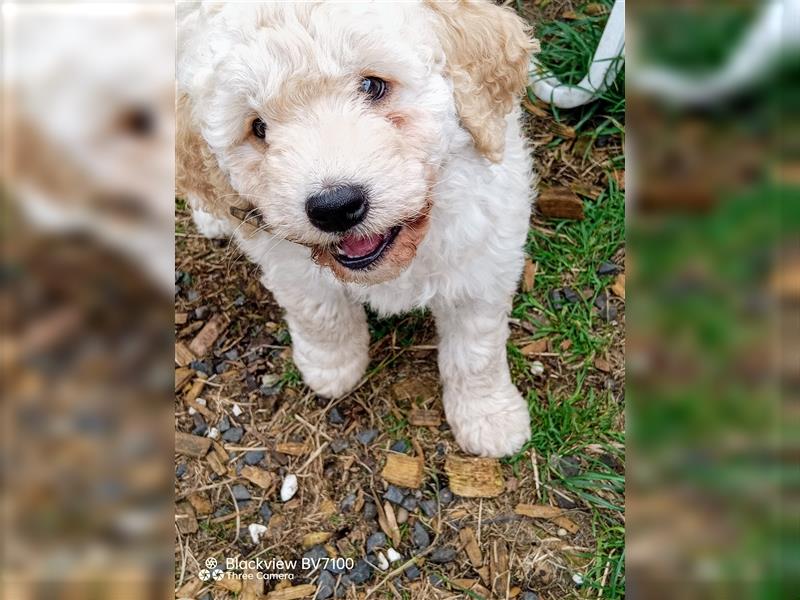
259,128
374,88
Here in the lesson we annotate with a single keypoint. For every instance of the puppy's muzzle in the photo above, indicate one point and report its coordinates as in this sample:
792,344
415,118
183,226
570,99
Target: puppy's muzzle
337,209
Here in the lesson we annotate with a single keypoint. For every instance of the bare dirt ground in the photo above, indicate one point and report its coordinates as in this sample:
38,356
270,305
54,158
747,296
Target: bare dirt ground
551,529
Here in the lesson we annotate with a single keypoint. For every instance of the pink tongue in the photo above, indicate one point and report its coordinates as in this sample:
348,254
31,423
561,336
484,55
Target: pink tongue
355,246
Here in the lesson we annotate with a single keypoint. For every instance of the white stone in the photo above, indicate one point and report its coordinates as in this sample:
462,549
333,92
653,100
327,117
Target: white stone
237,410
393,555
288,487
537,368
383,564
213,433
256,531
577,578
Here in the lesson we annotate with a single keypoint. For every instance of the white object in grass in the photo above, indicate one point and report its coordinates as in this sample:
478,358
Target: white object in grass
606,64
577,578
393,555
237,410
289,487
383,564
256,531
213,433
537,368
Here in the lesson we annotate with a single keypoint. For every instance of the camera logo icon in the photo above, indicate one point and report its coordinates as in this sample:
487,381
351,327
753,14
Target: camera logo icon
212,571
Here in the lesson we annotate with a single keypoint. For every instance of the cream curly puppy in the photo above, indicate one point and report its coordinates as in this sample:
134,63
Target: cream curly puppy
376,150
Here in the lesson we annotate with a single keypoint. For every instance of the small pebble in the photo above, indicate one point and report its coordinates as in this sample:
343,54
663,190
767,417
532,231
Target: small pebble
428,508
607,268
399,446
266,513
529,596
561,532
443,555
570,466
445,496
537,368
254,457
201,312
224,423
571,295
360,573
339,445
200,426
435,580
412,572
394,495
288,487
393,555
335,416
240,300
256,531
556,299
325,585
232,354
577,578
348,502
369,511
233,435
401,516
383,563
213,433
240,492
367,436
316,553
409,503
376,540
201,366
180,470
420,536
192,295
237,410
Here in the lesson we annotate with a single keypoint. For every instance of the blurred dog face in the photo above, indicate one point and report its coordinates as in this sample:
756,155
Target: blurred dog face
333,119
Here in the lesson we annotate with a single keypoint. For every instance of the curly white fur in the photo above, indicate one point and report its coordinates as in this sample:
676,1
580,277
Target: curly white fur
296,66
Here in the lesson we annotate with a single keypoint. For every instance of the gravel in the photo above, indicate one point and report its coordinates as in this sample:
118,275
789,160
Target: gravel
316,553
399,446
529,596
325,585
180,470
348,502
556,299
442,555
445,496
607,268
224,423
412,572
409,503
335,416
369,511
366,437
254,457
376,540
339,445
394,495
570,466
200,426
240,492
420,536
571,295
360,573
233,435
266,513
428,508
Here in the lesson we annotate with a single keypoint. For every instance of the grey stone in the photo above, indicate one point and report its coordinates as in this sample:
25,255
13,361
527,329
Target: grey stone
556,299
570,466
224,424
442,555
445,496
233,435
402,515
399,446
409,503
360,573
325,585
412,572
348,502
335,416
529,596
369,511
254,457
420,537
240,492
339,445
428,508
200,426
180,470
607,268
571,295
394,495
435,580
376,540
266,513
316,553
366,437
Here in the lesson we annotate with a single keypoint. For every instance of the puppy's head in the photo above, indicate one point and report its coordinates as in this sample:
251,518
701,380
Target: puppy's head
334,120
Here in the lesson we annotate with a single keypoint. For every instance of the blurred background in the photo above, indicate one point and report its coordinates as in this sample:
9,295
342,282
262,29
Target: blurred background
713,341
86,297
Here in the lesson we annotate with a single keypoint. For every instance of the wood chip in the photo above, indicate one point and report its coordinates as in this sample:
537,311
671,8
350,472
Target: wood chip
189,589
182,376
252,585
529,275
205,338
535,347
194,392
618,287
316,537
467,536
594,9
185,518
200,503
191,445
619,178
392,530
230,583
327,508
565,345
498,567
550,513
403,470
183,356
292,448
262,478
560,203
569,15
472,585
414,389
474,477
424,418
181,318
292,593
216,464
602,364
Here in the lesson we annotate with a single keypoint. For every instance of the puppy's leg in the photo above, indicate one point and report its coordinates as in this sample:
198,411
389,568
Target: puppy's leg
485,410
208,224
330,340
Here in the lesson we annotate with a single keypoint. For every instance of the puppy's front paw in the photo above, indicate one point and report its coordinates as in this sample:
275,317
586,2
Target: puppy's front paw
496,425
331,375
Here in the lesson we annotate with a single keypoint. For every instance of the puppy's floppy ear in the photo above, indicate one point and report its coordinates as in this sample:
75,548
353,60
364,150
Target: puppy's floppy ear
487,49
196,169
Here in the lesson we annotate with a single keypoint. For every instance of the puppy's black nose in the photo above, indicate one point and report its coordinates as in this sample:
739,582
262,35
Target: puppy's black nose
338,208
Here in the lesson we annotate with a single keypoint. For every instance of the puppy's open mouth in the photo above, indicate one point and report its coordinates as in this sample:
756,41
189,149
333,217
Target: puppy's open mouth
359,252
